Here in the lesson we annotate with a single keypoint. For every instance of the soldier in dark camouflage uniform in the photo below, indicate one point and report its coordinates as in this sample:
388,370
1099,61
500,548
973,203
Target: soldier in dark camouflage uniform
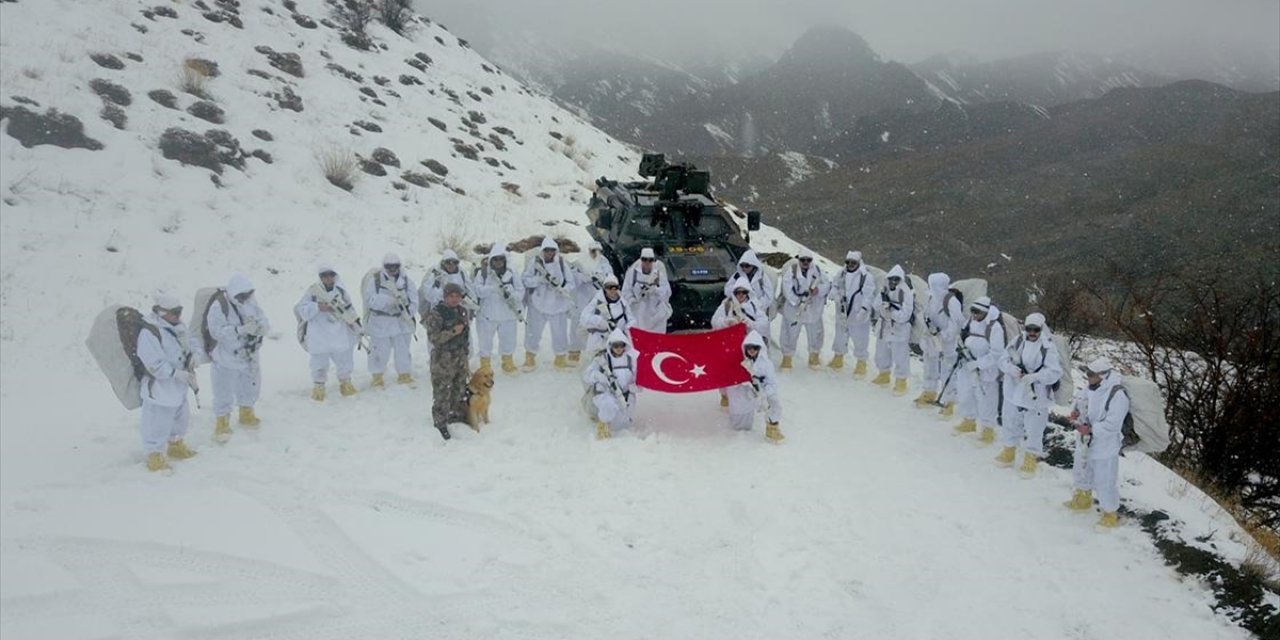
447,329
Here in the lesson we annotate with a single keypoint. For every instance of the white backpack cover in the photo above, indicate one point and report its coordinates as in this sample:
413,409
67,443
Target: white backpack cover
879,275
970,289
108,351
1012,329
199,316
1066,390
1146,429
920,292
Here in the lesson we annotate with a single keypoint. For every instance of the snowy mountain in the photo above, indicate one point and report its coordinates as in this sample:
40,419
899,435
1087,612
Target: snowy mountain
1043,79
819,86
352,518
615,88
1234,63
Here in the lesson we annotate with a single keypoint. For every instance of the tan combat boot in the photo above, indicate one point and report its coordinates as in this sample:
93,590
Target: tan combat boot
837,362
178,450
377,382
222,429
1109,520
925,399
860,369
317,392
346,388
773,432
1028,468
1081,500
987,437
509,366
530,361
900,387
156,462
786,363
882,379
602,431
815,360
247,418
1006,456
486,363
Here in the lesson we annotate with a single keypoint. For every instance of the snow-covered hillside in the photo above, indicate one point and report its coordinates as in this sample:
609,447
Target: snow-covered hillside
116,223
352,518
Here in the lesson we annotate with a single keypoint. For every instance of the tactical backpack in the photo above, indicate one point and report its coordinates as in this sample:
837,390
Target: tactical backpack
952,292
205,297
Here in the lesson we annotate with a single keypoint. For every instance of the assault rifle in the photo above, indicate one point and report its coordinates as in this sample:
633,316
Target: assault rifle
341,310
612,379
511,301
189,364
402,301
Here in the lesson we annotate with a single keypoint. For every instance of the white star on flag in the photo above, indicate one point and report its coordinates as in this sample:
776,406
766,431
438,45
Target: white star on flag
698,371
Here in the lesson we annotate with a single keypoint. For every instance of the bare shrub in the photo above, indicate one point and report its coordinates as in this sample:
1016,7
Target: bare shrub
395,14
1212,344
457,239
355,16
193,80
340,166
1261,564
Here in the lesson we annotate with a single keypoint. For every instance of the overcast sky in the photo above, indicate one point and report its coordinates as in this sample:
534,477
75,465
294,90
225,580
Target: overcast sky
903,30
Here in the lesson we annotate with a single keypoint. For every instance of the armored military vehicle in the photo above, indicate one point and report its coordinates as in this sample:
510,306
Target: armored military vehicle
698,237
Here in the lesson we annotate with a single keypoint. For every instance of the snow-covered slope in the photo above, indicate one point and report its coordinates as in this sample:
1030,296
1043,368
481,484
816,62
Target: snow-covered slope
114,224
352,519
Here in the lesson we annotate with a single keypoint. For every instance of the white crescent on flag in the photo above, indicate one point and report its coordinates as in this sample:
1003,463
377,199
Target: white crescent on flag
660,358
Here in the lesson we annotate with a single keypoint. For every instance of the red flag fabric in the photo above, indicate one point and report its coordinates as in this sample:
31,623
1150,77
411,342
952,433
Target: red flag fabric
688,362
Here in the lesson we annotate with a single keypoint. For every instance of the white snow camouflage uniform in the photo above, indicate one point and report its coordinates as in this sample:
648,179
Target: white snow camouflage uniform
550,289
744,398
807,288
894,329
389,305
239,331
609,409
328,338
165,412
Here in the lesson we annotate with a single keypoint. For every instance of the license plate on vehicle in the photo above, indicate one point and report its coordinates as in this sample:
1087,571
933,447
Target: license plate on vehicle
700,272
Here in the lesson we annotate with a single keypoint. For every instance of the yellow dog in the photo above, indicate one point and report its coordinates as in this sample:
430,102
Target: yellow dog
478,398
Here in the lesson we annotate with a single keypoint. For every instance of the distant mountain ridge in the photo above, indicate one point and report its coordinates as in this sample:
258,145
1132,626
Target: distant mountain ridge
1154,178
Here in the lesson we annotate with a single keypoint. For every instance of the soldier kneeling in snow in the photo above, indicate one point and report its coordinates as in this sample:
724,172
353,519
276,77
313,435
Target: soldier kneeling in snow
740,308
162,349
611,381
744,398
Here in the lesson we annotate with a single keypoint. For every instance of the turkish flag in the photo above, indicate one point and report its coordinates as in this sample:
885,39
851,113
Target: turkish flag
688,362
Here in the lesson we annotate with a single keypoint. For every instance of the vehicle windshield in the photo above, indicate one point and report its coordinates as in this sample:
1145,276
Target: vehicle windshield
642,224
